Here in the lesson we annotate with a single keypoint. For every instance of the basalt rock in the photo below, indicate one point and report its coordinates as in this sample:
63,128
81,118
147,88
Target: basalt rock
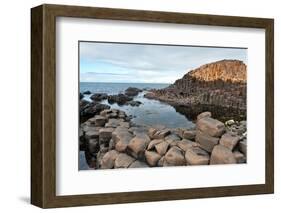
132,91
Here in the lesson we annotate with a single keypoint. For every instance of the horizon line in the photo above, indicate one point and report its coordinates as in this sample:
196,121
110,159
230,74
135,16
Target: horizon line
123,82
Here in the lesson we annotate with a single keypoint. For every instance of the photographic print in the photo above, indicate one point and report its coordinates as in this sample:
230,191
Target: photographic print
150,105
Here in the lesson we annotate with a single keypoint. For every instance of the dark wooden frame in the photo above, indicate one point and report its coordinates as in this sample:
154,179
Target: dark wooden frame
43,105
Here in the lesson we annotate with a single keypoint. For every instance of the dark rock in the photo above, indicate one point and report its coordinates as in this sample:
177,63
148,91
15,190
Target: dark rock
87,92
81,96
134,103
93,145
99,96
105,135
132,91
243,146
92,109
120,99
240,157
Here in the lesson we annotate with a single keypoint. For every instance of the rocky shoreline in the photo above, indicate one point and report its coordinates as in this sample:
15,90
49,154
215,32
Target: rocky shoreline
111,141
218,87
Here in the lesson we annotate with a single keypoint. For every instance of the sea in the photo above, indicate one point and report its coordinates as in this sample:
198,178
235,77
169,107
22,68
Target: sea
150,112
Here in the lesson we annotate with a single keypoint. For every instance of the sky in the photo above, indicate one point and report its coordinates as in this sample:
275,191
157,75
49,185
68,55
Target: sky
142,63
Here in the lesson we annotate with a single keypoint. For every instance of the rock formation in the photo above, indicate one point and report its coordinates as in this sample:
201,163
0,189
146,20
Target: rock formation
219,87
110,141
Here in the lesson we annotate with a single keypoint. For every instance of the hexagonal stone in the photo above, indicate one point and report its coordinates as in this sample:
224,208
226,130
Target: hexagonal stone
206,142
175,157
228,140
152,158
222,155
123,161
196,156
211,127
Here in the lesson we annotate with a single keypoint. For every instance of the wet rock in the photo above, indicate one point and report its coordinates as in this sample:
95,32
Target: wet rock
138,164
240,157
222,155
92,109
189,134
204,115
137,145
105,135
132,91
211,126
134,103
120,99
81,96
108,159
162,148
206,142
152,158
123,161
87,92
175,157
196,156
99,96
229,140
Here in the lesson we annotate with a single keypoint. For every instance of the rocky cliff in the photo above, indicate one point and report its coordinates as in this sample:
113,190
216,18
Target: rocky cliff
219,87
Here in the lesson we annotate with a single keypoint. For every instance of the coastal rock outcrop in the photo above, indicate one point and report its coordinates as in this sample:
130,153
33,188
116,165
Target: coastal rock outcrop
218,87
109,144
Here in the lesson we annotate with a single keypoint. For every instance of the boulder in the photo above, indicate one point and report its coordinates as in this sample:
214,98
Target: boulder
211,126
159,134
87,92
204,115
161,148
185,144
222,155
92,109
81,96
137,145
123,161
105,135
121,137
206,142
100,120
92,134
152,158
196,156
138,164
99,96
175,157
240,157
120,99
189,134
154,142
107,161
113,122
132,91
134,103
172,138
228,140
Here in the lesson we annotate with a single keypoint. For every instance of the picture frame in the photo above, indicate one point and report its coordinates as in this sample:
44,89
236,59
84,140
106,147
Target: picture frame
43,105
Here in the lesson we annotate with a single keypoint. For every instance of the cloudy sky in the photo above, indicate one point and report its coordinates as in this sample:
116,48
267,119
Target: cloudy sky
138,63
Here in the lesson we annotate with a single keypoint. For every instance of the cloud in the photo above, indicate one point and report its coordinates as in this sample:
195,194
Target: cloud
102,62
